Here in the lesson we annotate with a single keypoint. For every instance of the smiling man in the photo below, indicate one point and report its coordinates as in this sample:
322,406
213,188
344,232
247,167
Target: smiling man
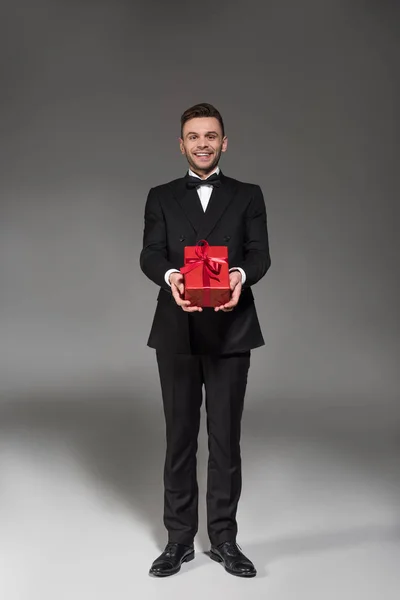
203,147
207,347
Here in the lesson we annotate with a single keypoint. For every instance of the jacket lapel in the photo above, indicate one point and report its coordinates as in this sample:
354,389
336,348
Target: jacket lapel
190,204
204,222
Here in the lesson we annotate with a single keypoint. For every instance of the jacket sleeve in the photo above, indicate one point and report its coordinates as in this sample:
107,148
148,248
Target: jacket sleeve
257,258
154,255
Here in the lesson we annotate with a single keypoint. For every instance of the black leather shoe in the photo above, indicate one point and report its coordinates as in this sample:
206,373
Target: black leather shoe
170,561
233,559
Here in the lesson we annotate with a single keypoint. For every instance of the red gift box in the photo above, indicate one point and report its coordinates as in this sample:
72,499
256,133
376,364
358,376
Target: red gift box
206,273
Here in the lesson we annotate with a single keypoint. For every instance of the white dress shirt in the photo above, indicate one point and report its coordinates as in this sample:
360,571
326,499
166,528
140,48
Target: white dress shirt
204,192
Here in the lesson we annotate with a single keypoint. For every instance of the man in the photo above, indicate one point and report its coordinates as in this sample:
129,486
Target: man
210,347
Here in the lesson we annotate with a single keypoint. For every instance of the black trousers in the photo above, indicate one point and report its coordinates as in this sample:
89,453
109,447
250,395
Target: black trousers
182,378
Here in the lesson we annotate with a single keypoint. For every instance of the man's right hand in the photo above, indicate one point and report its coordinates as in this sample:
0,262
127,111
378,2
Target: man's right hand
178,290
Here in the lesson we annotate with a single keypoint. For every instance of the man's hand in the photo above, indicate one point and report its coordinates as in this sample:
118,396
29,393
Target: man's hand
178,290
235,281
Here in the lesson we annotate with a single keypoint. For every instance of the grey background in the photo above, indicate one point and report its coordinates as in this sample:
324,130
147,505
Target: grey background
91,95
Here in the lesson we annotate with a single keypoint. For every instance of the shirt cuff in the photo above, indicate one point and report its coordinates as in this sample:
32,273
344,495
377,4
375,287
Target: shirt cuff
168,273
241,272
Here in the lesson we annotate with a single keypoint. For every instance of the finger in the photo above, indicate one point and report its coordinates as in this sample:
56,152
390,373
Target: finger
223,308
192,308
236,292
177,296
183,303
234,298
234,283
180,301
231,304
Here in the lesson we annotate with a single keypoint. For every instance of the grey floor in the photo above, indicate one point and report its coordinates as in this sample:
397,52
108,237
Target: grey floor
81,499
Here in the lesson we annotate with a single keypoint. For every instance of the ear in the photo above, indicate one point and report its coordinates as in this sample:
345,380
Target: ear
224,144
181,146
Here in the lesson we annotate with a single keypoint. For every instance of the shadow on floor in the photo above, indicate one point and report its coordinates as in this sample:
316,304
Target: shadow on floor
118,438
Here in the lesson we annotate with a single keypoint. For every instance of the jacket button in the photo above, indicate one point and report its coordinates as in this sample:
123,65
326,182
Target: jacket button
182,238
227,238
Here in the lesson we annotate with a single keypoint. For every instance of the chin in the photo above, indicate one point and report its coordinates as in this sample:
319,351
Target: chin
205,167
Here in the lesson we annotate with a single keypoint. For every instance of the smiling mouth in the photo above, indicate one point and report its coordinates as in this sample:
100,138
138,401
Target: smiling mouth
203,154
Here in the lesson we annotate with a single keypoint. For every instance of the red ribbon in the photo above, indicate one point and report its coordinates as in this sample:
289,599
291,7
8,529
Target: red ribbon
211,265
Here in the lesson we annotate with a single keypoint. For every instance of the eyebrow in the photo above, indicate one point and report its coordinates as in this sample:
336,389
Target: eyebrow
195,133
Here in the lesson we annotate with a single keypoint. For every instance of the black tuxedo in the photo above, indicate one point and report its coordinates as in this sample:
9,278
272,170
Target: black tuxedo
210,348
174,218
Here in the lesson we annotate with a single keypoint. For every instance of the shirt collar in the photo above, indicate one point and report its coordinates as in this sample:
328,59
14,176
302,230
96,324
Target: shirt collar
216,170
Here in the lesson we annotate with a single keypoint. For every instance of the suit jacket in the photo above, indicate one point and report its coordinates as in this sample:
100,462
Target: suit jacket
235,217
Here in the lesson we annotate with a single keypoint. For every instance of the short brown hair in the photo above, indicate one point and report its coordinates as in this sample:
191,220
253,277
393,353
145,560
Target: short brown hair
201,110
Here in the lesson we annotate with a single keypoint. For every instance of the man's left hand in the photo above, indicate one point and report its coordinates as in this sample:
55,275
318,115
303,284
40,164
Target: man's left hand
235,281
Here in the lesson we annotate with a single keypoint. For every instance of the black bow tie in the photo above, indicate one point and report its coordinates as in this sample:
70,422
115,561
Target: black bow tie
193,182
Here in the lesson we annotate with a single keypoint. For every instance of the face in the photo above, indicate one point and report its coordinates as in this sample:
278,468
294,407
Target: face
202,144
